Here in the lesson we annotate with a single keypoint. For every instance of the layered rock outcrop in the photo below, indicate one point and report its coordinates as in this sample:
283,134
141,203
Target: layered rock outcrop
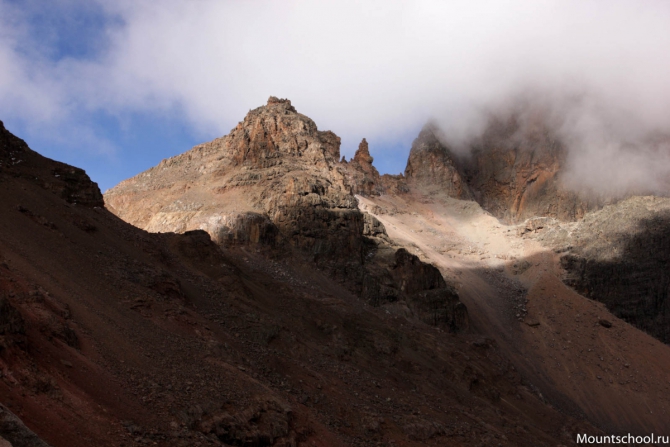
277,182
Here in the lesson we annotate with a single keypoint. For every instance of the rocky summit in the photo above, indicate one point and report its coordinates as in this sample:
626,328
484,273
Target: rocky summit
261,290
277,182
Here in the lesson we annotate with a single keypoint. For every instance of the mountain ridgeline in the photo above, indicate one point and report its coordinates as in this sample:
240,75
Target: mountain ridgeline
279,181
261,290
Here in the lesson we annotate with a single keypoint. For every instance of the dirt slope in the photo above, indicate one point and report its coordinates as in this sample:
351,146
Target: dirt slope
112,336
618,376
567,350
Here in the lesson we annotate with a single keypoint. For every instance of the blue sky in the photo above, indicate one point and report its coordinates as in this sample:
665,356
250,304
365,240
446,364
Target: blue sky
112,144
116,86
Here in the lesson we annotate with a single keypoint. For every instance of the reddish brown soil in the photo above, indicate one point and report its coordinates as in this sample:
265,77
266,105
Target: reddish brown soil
131,338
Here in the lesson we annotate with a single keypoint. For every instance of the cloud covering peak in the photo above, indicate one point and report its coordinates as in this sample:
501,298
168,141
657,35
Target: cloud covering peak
378,69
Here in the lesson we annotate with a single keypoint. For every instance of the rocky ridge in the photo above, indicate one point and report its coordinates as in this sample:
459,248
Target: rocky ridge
361,173
114,336
432,166
512,170
67,182
277,182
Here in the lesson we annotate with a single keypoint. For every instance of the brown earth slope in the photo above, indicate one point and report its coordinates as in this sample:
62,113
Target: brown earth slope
577,354
618,255
112,336
561,344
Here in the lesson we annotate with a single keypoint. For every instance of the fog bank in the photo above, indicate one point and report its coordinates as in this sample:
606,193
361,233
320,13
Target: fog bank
374,69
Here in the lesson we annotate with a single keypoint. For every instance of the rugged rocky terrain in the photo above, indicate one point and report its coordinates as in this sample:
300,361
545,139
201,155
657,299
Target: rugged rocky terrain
113,336
513,170
275,294
277,182
618,255
571,350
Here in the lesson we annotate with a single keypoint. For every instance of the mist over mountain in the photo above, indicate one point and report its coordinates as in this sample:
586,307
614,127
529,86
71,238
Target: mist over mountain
455,232
378,70
608,154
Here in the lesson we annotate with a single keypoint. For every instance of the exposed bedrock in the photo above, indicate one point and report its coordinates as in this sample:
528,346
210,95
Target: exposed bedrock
513,170
277,182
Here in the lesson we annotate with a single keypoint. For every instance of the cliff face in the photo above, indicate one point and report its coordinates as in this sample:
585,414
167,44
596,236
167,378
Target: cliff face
276,182
512,170
431,165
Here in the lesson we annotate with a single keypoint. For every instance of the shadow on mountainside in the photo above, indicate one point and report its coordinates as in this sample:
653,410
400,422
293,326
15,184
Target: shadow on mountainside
570,350
631,275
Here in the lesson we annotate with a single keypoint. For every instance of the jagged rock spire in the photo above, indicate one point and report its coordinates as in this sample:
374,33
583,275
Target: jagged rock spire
362,155
431,163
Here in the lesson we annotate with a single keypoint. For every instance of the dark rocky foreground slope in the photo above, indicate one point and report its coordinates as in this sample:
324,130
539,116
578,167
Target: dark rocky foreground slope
112,336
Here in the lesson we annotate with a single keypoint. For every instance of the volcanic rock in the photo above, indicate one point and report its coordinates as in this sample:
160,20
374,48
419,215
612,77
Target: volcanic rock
12,430
67,182
432,165
276,182
512,170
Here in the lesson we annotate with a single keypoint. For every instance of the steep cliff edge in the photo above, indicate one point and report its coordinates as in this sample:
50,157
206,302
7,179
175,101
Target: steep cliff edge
431,166
515,172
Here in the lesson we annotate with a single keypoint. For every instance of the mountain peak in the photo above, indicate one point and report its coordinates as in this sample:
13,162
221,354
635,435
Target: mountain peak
280,102
431,164
362,155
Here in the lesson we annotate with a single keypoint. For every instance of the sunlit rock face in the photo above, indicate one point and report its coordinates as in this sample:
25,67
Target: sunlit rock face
277,182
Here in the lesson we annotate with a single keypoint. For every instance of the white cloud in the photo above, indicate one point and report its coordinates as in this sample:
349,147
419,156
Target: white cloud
377,69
